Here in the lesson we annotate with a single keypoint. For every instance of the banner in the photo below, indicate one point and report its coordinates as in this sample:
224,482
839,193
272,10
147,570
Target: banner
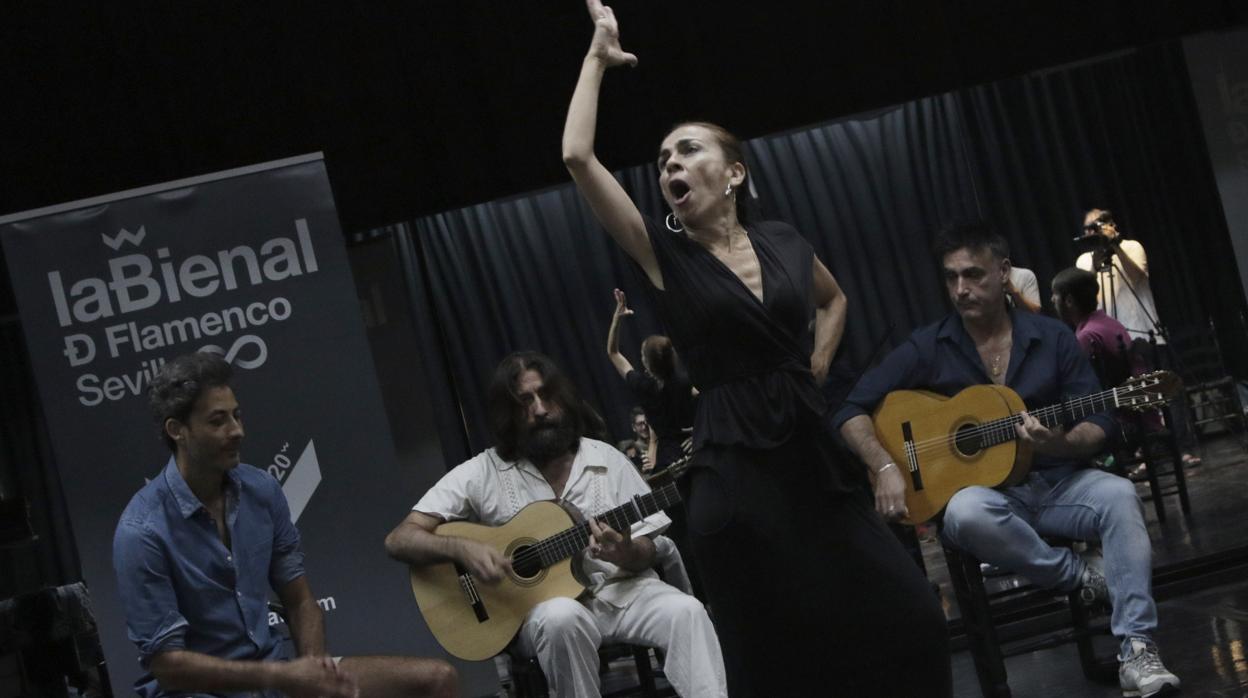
1218,64
251,263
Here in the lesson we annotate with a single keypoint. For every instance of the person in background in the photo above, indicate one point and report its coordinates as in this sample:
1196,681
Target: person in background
638,446
1103,339
1126,295
1023,289
666,396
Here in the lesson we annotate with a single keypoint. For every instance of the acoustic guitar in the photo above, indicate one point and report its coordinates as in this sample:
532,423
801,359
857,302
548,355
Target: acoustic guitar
475,620
943,444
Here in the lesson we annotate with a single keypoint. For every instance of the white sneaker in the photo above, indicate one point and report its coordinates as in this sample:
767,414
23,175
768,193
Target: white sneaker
1093,588
1142,673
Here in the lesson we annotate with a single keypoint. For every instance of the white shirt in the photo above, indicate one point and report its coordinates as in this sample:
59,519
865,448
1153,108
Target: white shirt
1024,281
1136,311
488,490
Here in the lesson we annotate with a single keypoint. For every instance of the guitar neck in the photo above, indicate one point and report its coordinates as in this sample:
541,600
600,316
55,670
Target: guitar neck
1002,430
573,540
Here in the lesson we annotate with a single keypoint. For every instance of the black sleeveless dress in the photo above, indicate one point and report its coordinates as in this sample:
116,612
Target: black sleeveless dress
810,592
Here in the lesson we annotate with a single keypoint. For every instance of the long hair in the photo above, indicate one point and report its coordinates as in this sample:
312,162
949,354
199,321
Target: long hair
180,382
660,356
507,416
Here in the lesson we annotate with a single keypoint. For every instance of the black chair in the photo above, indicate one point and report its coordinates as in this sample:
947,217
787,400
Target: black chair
528,681
1148,439
1154,450
1212,393
50,642
527,678
983,611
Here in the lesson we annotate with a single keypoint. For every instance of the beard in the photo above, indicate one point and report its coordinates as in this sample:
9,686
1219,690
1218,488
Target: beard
547,440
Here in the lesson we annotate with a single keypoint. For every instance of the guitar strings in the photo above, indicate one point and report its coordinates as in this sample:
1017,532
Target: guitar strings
1001,430
567,542
1005,426
999,427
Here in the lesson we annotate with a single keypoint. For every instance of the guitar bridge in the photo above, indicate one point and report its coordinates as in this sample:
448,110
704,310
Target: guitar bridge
912,457
469,588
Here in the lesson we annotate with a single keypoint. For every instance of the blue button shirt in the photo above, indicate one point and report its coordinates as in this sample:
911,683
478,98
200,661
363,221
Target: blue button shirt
1046,367
181,588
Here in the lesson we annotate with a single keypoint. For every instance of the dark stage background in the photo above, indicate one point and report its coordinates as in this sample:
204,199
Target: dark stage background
421,107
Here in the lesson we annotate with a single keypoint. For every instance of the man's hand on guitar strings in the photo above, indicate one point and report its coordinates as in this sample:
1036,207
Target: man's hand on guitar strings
1047,441
609,545
483,562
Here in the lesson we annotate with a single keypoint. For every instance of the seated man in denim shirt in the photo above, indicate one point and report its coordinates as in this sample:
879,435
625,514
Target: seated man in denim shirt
1039,358
197,550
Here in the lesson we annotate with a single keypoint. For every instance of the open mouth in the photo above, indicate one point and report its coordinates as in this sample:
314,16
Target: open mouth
679,190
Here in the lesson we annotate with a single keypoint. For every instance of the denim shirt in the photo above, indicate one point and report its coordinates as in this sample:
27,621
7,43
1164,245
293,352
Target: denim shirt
1046,367
182,589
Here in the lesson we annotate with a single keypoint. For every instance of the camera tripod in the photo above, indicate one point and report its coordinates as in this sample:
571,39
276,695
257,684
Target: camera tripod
1107,275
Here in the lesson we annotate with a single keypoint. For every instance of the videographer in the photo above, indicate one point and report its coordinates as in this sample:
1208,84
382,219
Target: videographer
1121,268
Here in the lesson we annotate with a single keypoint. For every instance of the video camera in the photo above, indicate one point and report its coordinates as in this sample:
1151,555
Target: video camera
1095,240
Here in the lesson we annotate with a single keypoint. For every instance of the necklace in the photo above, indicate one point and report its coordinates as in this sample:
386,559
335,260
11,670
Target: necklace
996,367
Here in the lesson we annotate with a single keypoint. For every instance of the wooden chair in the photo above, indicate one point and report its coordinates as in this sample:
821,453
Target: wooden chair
1157,450
1149,439
983,610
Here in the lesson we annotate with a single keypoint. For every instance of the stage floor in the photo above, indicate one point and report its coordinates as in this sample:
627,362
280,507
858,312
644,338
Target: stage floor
1202,637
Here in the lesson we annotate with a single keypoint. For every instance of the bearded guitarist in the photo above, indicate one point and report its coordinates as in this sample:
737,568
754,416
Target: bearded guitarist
540,455
984,342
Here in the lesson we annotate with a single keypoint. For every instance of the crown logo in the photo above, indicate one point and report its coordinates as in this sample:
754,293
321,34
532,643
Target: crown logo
116,241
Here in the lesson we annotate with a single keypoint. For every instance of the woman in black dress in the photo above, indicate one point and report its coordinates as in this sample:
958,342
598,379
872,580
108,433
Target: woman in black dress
810,592
660,389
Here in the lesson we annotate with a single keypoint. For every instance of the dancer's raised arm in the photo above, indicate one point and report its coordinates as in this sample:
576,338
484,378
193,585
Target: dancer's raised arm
617,213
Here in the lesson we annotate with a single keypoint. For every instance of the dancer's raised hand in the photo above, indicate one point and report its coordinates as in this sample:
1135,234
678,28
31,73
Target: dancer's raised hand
606,42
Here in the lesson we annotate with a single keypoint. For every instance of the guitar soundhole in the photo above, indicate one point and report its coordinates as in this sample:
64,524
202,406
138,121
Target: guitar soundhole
526,564
967,440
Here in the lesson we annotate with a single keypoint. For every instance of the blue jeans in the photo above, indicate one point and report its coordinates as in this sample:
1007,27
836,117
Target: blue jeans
1004,528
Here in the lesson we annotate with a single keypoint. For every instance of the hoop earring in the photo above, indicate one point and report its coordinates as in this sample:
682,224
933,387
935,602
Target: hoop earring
673,223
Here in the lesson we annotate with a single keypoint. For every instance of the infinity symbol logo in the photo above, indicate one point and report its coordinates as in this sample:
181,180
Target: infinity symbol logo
231,356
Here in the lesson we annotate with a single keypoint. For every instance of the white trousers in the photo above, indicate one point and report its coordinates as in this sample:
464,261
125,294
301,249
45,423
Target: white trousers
564,635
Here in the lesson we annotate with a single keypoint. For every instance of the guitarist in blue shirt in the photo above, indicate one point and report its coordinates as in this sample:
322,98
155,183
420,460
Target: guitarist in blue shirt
198,550
983,342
